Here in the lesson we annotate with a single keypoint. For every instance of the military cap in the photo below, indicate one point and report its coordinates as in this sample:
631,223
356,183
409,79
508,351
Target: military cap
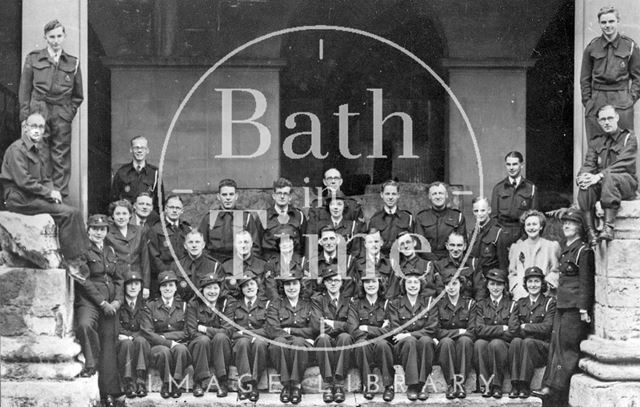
167,276
573,215
246,277
98,220
497,275
329,271
533,272
335,195
132,276
210,278
448,273
294,274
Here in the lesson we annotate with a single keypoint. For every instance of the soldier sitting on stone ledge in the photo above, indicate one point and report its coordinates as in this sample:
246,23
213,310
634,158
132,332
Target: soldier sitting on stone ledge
28,190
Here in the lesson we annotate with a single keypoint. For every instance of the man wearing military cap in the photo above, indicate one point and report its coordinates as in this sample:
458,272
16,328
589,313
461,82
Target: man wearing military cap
610,73
51,84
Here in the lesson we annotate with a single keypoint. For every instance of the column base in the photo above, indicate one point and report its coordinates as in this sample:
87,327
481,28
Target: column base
587,391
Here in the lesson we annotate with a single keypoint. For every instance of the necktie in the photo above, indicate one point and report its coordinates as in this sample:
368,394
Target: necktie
249,304
132,304
138,168
495,304
335,303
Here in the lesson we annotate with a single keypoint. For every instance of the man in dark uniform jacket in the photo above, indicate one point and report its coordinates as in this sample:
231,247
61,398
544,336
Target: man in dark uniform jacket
372,258
287,261
330,257
196,264
608,173
245,262
283,218
512,197
217,225
610,73
412,264
391,220
490,245
136,176
51,85
474,285
345,228
437,222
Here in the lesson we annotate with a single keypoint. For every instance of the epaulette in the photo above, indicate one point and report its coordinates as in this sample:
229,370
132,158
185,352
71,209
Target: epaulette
549,300
470,304
386,302
266,304
594,40
513,304
429,304
497,235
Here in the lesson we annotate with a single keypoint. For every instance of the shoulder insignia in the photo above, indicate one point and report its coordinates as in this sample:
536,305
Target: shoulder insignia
549,300
386,302
533,190
429,303
513,304
497,235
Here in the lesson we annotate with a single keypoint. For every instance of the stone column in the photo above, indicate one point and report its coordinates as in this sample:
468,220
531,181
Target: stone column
612,356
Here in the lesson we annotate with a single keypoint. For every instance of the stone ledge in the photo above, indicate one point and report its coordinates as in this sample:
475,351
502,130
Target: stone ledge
28,240
610,371
587,391
38,349
629,209
38,371
609,351
79,393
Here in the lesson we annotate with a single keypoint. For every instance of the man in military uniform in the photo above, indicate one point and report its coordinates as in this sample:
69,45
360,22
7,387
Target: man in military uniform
287,261
344,228
136,176
51,85
608,173
217,225
283,218
391,220
196,263
610,73
490,245
372,261
245,262
330,257
512,197
474,285
412,264
437,222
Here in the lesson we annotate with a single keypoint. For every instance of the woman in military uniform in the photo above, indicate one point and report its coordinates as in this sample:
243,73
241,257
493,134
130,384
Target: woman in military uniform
493,334
249,314
163,326
331,311
531,319
574,302
413,344
368,319
289,323
456,326
209,343
96,303
133,348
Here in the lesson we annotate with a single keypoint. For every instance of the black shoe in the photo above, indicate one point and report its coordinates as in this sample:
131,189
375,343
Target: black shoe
222,389
109,401
497,392
88,372
176,392
338,395
388,393
515,390
164,391
327,394
129,390
141,390
451,393
423,395
543,393
412,393
296,395
524,392
367,394
254,395
462,392
242,395
198,391
285,394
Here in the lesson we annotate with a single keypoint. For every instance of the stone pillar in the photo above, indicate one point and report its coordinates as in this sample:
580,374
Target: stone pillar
612,356
73,15
493,95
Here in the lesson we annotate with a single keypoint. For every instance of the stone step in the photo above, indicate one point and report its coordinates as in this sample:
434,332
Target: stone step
308,400
46,393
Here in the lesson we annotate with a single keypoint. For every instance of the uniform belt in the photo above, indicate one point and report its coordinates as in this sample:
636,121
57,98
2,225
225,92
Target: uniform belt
60,100
613,86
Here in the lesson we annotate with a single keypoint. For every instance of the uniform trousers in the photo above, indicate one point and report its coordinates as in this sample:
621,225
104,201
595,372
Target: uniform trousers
613,189
416,357
455,357
250,358
60,150
168,360
377,353
525,355
210,352
334,365
290,363
133,357
491,360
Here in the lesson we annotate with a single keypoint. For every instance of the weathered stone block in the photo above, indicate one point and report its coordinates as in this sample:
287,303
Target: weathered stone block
617,323
621,259
618,292
40,371
28,241
78,393
587,391
609,351
629,209
33,301
610,371
38,349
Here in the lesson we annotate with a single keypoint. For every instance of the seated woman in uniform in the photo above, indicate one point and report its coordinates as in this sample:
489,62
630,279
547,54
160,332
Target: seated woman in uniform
249,315
133,348
413,345
331,310
209,343
163,326
289,323
96,303
129,242
368,319
493,335
456,325
532,320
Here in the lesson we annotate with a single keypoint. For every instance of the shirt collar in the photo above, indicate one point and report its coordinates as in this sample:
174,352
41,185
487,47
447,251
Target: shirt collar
496,300
518,180
167,304
53,54
391,211
281,212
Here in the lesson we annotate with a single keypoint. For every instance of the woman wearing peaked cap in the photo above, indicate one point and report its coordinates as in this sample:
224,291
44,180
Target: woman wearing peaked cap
493,334
289,323
209,343
163,326
133,348
249,352
574,302
96,303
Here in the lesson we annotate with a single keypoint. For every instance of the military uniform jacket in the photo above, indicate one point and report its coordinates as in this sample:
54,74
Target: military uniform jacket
128,183
159,252
132,250
104,282
375,316
253,266
319,214
609,66
273,268
252,318
45,82
199,313
508,203
24,172
381,265
281,314
295,227
436,226
195,269
576,282
490,319
131,318
390,225
324,308
314,286
452,318
347,229
219,233
161,324
475,282
490,247
612,154
537,317
431,282
401,312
